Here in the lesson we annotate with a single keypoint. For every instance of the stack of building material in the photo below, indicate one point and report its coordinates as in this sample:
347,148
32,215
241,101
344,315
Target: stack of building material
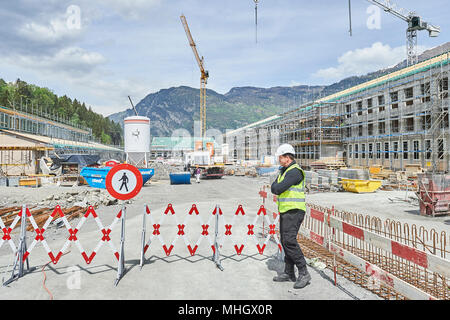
330,176
162,171
330,163
251,172
356,174
318,165
311,178
413,170
434,194
380,173
229,171
377,169
323,182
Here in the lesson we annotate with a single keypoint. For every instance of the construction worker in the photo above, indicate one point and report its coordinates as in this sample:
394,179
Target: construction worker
197,174
289,187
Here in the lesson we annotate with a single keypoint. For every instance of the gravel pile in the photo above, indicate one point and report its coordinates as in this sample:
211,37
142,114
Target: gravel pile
162,171
85,198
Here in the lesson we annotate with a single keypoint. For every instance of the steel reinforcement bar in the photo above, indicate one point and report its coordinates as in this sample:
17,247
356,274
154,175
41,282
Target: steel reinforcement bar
408,262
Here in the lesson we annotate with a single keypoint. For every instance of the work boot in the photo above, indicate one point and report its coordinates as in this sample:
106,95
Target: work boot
284,277
303,278
287,275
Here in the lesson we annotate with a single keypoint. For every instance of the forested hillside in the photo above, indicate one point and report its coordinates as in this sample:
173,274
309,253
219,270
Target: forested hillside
33,99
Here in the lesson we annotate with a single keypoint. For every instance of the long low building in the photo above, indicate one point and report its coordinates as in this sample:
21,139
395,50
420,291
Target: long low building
176,147
398,119
25,138
20,152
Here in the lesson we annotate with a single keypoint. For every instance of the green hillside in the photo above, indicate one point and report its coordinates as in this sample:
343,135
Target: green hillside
30,98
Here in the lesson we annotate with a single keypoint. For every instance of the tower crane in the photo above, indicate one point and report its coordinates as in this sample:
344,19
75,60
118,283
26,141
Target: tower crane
204,75
415,23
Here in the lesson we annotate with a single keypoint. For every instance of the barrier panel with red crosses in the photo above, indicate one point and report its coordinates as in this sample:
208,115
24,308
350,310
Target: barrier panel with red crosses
321,227
22,252
216,229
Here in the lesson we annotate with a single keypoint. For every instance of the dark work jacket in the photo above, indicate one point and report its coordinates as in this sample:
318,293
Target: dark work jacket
292,178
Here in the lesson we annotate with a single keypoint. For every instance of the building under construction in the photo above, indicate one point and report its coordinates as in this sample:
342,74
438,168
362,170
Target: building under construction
392,121
27,137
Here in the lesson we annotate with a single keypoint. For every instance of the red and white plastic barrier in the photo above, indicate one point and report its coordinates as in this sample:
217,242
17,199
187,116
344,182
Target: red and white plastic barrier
7,232
421,258
104,234
416,256
156,232
380,275
205,228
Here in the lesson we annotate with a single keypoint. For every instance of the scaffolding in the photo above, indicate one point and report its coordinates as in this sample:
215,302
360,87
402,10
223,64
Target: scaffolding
314,131
392,121
405,120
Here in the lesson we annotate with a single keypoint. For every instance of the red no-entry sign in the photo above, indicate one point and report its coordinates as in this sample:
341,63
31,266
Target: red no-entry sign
124,181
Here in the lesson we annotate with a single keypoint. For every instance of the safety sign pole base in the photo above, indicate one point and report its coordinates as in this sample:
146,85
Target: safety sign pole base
15,276
18,257
121,264
216,256
142,259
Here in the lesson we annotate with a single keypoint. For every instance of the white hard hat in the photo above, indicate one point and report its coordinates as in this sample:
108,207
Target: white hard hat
285,148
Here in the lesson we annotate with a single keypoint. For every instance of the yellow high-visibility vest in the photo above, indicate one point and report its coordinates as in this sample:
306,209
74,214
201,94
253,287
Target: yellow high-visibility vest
294,197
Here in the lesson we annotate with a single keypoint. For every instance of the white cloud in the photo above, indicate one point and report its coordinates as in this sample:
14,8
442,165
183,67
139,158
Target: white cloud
362,61
294,83
57,30
70,60
110,96
131,9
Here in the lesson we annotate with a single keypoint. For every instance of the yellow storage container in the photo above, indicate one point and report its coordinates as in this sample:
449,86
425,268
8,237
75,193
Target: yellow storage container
361,186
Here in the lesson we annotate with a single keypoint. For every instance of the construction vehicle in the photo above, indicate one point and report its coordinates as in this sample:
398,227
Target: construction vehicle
202,160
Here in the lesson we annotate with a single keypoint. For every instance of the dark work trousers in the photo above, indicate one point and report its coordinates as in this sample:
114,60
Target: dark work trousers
290,222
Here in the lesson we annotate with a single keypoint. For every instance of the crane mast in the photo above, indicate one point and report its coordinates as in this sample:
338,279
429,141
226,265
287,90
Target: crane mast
256,20
204,75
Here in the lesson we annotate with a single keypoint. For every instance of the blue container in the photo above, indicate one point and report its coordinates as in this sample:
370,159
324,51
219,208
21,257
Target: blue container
3,182
147,174
13,181
96,177
180,178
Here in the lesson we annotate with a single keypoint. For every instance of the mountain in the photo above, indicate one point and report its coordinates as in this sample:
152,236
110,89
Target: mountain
354,81
178,107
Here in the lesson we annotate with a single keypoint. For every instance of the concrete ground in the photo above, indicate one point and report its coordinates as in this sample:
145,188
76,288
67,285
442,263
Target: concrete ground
181,276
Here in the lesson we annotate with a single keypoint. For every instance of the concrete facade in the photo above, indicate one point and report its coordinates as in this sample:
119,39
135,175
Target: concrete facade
398,119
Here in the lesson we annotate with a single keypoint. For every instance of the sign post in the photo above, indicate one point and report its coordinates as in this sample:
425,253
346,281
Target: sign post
123,182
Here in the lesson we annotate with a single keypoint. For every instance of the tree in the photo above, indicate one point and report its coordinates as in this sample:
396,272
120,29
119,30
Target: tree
43,99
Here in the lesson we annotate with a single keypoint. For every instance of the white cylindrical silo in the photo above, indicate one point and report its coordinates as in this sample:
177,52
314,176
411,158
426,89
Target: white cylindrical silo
137,134
137,140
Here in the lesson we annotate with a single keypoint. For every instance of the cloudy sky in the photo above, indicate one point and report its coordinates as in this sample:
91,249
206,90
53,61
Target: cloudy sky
101,51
